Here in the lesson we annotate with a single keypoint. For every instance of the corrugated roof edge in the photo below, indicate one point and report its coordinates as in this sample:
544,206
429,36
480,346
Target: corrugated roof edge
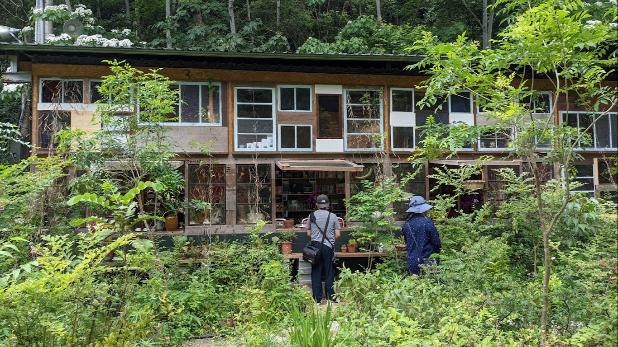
12,47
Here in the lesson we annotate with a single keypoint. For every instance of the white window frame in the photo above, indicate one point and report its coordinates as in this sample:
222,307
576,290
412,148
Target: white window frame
273,118
612,140
200,123
345,121
399,149
497,149
469,116
575,178
61,106
296,149
295,86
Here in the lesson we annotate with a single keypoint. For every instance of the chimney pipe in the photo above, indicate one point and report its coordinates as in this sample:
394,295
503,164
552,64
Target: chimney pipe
42,28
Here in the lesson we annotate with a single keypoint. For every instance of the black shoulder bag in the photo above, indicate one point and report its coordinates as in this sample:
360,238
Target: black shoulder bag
311,252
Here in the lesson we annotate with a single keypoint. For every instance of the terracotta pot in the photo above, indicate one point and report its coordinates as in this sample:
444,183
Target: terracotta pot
344,249
171,222
286,247
351,248
400,247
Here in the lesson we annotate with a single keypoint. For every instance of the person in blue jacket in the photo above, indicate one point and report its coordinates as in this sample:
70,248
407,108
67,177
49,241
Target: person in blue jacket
420,234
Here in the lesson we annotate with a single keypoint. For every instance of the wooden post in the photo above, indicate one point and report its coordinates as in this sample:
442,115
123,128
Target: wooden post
186,208
595,174
347,182
35,113
273,204
230,194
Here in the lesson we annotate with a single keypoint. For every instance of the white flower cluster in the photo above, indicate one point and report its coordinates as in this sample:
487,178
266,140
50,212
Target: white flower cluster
614,2
613,25
51,38
51,8
98,40
27,29
592,23
82,11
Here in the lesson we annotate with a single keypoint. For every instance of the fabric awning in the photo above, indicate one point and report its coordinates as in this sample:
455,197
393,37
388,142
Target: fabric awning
319,165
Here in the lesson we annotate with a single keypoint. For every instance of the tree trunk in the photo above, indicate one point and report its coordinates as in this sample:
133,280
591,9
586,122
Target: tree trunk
484,24
248,11
127,10
168,14
230,12
379,10
278,12
487,24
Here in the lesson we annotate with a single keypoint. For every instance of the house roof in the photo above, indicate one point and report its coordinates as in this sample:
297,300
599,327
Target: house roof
147,57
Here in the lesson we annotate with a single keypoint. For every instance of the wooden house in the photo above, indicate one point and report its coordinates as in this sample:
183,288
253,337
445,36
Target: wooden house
308,123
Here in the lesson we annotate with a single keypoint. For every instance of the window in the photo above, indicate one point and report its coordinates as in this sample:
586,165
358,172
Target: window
50,123
584,174
329,117
495,139
496,183
363,119
439,111
402,100
460,103
539,102
253,193
295,98
295,137
255,119
602,128
207,184
198,104
116,127
59,91
402,138
94,91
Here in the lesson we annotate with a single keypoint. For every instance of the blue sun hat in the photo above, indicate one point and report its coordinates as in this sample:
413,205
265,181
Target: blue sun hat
418,205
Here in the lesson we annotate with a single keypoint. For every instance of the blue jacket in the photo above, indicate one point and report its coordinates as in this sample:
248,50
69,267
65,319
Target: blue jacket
422,240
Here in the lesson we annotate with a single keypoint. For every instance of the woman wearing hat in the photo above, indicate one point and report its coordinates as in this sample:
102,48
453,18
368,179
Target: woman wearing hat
422,239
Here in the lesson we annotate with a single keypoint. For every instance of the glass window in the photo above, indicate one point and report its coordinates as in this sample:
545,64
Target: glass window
294,98
207,185
363,119
539,102
189,103
495,138
402,100
254,119
461,103
584,174
295,137
94,91
403,137
329,117
601,128
253,193
62,91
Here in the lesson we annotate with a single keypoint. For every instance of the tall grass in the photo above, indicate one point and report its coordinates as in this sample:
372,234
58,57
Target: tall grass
312,328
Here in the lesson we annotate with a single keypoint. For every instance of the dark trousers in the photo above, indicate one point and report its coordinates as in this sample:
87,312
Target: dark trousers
324,266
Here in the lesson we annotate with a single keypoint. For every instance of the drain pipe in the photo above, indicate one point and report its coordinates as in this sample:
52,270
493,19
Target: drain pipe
42,28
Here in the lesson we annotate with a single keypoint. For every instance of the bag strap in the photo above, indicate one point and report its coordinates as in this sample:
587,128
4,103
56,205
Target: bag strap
314,221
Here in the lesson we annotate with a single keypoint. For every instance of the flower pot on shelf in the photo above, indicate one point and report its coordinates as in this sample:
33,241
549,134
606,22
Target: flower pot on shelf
351,248
286,247
344,248
400,247
171,222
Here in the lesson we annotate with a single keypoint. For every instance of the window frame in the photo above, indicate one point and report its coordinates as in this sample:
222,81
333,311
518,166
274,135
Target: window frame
60,106
345,120
497,149
295,149
273,118
590,193
450,103
413,100
399,149
295,86
613,146
200,123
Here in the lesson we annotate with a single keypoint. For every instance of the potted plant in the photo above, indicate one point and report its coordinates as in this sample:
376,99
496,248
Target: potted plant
171,208
344,248
351,247
286,241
